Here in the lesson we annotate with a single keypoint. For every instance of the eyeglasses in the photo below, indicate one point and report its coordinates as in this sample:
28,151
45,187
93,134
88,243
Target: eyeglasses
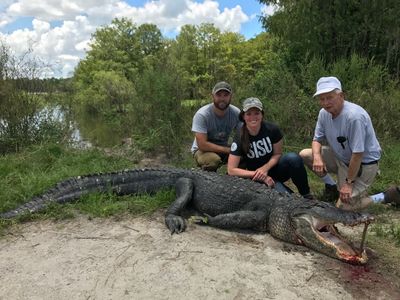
341,140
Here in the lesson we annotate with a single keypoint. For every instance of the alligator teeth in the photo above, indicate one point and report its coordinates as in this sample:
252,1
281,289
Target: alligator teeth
363,237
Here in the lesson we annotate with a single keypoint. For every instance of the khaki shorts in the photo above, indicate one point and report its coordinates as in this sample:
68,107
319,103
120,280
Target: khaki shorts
209,161
363,181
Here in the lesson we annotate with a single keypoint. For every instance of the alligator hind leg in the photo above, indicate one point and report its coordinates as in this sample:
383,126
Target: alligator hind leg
184,191
240,220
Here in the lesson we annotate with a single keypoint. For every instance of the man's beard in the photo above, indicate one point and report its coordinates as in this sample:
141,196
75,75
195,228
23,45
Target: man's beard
222,105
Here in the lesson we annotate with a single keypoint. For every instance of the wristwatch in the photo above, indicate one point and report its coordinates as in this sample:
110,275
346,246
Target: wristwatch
349,181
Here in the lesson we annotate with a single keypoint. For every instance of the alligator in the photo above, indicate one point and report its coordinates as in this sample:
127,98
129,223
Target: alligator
222,201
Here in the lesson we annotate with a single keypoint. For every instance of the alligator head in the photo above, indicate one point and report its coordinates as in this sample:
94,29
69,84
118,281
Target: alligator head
314,227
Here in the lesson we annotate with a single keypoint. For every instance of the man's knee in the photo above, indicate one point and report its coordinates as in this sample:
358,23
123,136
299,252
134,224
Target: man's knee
208,161
306,155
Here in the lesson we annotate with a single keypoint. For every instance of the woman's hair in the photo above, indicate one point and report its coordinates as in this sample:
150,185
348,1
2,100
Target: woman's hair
244,133
244,137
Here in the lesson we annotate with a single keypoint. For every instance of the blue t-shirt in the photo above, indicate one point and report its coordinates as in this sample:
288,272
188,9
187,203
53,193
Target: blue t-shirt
261,146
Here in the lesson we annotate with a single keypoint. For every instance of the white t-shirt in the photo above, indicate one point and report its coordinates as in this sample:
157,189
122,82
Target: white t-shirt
350,132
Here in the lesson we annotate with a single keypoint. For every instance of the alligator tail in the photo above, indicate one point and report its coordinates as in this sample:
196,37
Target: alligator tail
136,181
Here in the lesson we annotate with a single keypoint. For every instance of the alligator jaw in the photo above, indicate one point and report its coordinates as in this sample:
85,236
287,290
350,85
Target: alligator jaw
323,237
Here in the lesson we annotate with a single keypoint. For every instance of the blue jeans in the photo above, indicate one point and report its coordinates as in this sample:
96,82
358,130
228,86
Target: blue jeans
290,166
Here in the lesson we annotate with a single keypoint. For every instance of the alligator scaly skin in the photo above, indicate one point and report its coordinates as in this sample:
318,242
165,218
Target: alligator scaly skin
227,201
218,193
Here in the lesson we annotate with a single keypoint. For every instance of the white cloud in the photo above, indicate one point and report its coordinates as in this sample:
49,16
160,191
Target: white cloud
40,26
5,19
173,8
50,10
269,10
64,45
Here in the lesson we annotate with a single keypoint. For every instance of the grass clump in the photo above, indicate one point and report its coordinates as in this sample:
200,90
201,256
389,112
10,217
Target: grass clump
387,224
31,172
104,205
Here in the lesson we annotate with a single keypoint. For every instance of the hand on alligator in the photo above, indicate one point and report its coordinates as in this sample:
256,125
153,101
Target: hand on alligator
175,224
260,175
269,181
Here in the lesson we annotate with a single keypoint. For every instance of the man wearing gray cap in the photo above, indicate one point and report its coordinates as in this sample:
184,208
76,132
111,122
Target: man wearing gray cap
212,126
352,151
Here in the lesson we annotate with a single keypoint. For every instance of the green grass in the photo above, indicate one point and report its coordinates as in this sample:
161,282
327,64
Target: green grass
32,172
104,205
389,231
387,223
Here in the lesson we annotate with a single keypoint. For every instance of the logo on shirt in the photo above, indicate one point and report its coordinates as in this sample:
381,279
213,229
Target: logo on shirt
233,146
260,148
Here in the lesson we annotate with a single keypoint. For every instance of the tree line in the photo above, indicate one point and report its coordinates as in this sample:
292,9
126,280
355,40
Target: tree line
338,29
134,73
150,85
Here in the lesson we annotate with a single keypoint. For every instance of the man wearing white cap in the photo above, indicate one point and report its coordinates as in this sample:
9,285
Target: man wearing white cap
352,151
212,126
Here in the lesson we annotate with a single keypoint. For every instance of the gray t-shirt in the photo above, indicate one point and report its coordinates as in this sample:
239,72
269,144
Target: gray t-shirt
350,132
218,129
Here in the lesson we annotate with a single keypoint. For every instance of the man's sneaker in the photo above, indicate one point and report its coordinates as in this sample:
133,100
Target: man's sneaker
392,195
331,193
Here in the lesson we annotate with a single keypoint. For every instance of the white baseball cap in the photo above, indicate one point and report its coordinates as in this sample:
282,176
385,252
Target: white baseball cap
327,84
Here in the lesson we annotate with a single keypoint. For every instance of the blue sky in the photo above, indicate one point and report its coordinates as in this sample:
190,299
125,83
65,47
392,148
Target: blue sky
59,31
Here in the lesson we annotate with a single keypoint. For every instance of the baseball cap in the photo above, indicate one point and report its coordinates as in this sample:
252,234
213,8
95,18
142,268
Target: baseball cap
222,85
327,84
252,102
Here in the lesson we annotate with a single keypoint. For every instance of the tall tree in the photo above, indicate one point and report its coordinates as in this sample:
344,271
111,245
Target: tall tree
185,54
120,50
120,47
203,55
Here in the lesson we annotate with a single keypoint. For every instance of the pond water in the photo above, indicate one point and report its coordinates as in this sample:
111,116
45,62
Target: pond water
86,130
89,130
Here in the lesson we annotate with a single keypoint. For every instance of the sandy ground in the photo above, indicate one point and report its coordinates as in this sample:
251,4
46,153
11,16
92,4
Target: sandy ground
137,258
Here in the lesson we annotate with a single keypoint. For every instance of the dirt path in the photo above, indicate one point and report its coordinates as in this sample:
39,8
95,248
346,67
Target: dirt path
136,258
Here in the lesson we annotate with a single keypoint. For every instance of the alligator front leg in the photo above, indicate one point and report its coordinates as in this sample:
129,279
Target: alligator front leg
184,191
239,220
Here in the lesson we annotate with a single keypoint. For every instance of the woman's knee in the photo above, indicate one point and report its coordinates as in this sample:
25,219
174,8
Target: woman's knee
294,159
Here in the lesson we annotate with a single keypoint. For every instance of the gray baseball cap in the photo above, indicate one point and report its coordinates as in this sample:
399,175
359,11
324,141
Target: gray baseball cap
252,102
222,85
